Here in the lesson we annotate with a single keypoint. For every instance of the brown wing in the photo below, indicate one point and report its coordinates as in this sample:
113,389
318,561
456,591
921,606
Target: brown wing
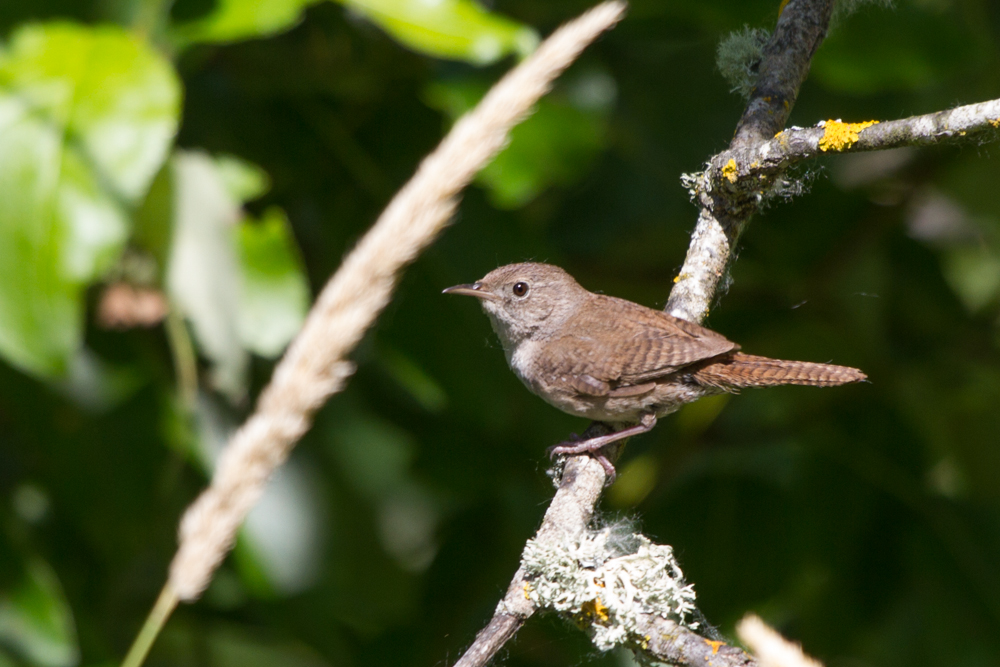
629,345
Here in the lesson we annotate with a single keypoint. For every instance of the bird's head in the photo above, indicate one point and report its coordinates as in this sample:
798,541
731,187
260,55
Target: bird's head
525,301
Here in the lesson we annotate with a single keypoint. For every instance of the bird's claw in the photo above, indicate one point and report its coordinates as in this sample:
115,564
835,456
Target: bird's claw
575,445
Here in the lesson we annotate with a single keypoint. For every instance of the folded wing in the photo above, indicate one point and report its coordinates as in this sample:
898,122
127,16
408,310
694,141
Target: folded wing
624,353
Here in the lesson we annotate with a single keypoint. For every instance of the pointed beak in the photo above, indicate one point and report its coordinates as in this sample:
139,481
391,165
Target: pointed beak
474,289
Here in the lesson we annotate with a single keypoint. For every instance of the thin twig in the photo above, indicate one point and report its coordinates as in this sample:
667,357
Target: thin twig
565,520
185,360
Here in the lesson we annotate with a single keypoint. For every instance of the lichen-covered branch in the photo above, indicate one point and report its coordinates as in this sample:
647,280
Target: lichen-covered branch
735,181
567,518
670,642
761,161
783,67
725,204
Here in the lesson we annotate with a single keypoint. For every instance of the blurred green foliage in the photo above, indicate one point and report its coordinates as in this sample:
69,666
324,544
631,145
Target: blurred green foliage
227,153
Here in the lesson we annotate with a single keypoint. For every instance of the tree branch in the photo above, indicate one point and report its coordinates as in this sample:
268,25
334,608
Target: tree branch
725,208
797,144
674,644
566,519
783,67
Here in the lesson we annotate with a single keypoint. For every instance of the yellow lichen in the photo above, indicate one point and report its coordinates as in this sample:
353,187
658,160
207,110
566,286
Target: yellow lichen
838,136
715,645
995,122
596,609
729,171
527,590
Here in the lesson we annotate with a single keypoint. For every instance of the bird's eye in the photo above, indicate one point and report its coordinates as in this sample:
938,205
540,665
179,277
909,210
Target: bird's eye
520,289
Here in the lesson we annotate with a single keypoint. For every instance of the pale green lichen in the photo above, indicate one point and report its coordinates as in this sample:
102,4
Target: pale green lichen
606,581
737,58
738,55
844,8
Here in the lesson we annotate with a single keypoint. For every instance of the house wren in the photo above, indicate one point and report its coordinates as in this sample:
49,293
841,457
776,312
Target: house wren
617,362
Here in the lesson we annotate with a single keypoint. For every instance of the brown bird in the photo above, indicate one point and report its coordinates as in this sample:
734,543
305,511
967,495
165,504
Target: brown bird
617,362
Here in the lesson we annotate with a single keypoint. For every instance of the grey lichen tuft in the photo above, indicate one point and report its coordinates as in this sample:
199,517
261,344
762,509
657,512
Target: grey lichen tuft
844,8
738,56
606,581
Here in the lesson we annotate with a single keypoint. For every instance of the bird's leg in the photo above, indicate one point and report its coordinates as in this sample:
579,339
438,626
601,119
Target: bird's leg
593,445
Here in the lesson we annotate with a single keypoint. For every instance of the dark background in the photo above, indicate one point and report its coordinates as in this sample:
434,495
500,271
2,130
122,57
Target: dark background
862,521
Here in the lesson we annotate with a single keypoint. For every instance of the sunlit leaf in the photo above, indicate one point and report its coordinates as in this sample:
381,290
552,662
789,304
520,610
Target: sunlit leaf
233,20
36,620
274,293
86,116
58,230
113,96
203,275
555,146
453,29
239,282
243,180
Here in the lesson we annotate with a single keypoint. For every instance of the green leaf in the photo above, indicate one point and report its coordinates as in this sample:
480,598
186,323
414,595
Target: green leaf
240,283
36,620
113,95
274,294
202,274
234,20
452,29
58,231
243,180
86,116
555,146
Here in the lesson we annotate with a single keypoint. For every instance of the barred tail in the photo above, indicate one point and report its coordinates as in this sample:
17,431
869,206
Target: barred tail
738,370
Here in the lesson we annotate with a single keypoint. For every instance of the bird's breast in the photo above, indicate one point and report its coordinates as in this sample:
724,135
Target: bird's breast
521,359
